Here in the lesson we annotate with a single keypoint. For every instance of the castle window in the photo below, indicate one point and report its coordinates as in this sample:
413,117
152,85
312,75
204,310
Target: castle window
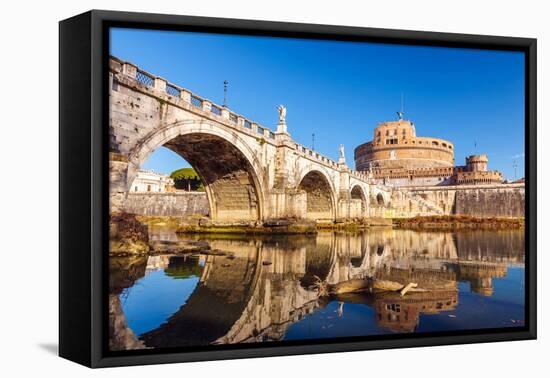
148,188
434,143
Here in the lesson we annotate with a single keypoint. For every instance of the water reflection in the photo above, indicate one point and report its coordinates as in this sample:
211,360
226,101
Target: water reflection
240,290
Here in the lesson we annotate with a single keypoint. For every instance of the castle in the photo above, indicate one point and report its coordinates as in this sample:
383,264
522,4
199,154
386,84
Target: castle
396,156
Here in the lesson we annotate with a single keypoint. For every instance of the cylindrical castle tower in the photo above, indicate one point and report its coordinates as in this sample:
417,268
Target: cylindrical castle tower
477,163
396,147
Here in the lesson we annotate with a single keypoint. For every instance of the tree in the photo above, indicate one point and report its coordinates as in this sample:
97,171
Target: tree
187,179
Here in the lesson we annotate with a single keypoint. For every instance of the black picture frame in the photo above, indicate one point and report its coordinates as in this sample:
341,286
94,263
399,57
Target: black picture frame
83,196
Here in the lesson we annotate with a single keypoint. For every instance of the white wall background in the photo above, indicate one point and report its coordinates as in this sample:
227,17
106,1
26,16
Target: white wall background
29,185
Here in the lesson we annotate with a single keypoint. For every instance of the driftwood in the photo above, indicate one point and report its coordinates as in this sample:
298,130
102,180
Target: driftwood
351,286
367,284
410,286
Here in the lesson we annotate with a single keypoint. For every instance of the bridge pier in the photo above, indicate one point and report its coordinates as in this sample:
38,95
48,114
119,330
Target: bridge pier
287,203
118,171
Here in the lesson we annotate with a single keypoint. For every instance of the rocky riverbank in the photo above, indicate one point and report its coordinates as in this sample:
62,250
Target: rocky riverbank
279,226
127,235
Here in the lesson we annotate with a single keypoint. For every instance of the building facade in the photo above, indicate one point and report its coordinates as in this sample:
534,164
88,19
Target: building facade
149,181
396,156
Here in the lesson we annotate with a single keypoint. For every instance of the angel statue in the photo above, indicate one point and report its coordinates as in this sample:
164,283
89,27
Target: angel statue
342,159
282,114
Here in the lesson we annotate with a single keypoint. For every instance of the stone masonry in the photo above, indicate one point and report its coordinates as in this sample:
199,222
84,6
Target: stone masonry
167,204
492,200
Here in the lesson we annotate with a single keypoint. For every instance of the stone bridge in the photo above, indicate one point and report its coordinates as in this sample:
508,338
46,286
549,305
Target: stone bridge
250,172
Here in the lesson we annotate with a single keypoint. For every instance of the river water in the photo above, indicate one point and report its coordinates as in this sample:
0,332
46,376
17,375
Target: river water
261,289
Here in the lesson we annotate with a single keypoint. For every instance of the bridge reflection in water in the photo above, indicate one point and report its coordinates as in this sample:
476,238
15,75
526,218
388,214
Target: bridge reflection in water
250,289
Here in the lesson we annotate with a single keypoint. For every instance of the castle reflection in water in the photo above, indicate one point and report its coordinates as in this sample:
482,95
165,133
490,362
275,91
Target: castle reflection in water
260,288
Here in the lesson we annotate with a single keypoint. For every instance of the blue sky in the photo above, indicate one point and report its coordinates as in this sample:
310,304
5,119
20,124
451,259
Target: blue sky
341,90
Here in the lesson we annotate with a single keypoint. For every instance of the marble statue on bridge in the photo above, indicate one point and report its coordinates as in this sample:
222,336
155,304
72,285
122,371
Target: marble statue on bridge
282,114
342,159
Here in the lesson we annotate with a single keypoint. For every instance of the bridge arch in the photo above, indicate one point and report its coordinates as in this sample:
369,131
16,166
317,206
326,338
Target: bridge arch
230,170
357,192
320,195
379,197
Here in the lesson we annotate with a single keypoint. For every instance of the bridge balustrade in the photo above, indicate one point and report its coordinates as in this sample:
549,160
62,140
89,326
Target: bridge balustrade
196,101
216,110
145,79
173,91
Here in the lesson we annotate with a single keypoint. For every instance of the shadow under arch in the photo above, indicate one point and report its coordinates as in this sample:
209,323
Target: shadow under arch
227,165
321,202
378,200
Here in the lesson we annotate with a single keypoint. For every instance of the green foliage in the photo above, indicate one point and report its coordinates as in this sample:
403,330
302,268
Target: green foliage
184,173
187,179
182,267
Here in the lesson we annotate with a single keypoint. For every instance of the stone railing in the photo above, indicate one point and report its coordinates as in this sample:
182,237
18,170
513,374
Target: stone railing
361,175
313,155
177,93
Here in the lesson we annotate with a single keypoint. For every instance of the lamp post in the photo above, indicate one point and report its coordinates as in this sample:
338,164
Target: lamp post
225,83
